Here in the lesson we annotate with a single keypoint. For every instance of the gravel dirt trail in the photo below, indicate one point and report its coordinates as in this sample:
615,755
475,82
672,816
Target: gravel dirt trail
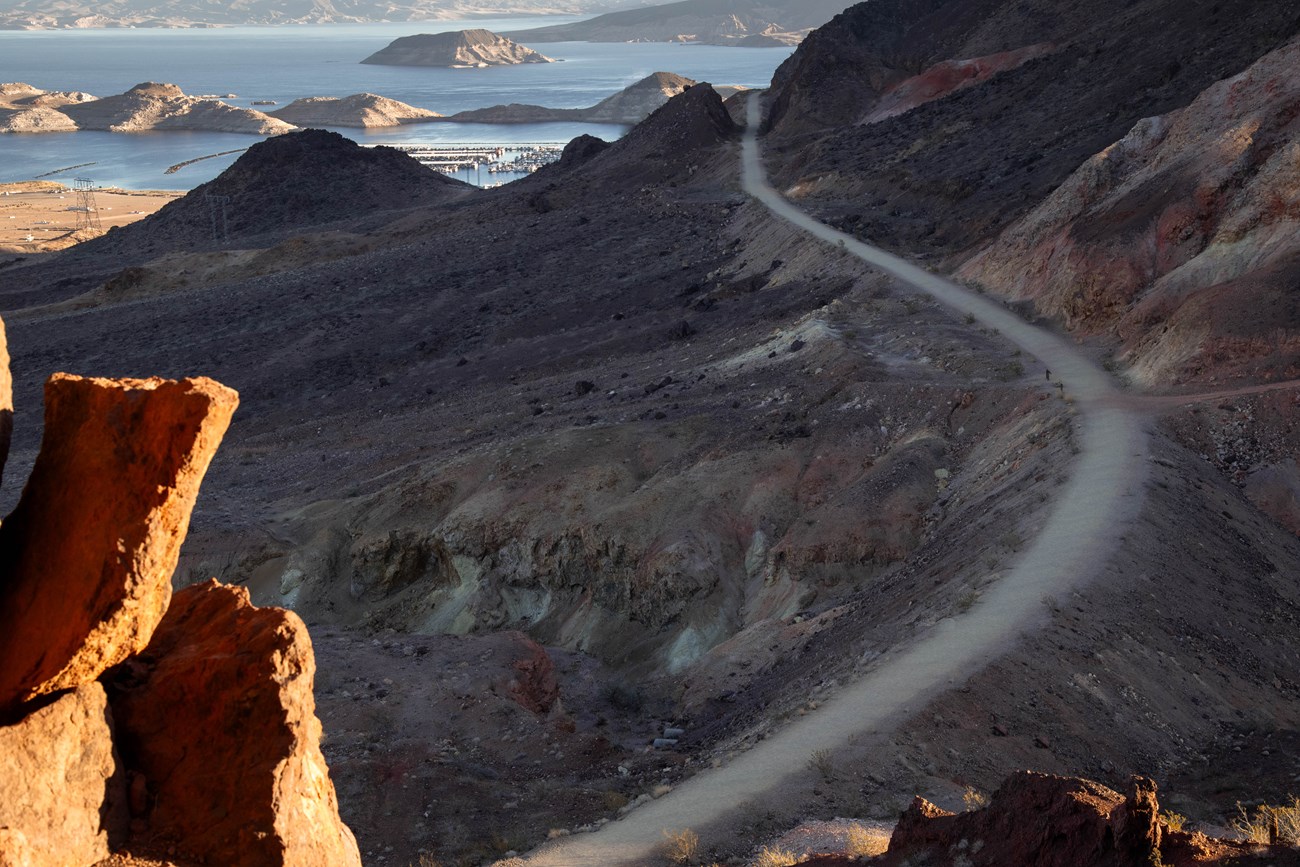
1087,518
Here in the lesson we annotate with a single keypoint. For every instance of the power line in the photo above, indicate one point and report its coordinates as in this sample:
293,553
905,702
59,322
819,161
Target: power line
86,210
219,211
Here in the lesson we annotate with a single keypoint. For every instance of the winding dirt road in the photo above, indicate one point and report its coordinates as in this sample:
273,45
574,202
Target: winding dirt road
1082,530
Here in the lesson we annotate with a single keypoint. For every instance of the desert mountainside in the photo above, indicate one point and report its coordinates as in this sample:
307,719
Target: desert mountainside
620,476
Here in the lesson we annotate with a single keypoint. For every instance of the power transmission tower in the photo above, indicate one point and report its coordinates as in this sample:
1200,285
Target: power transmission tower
219,210
86,211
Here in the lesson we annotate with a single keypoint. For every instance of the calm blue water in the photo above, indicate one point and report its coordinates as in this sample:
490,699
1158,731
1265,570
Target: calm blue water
285,63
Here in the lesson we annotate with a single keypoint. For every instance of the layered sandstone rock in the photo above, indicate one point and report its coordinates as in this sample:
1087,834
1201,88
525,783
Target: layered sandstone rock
218,716
61,791
87,556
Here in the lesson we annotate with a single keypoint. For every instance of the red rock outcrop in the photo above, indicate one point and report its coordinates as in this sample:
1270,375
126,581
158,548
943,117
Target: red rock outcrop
87,556
218,716
60,786
1038,820
947,78
6,400
534,685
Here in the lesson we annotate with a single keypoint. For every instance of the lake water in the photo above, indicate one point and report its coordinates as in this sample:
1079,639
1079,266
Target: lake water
286,63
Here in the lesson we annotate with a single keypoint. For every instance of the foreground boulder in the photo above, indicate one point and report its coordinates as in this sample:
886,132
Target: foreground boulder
60,789
86,558
217,716
6,401
1039,820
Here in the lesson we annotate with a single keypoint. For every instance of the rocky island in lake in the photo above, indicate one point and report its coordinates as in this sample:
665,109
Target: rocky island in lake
364,110
457,49
147,106
630,105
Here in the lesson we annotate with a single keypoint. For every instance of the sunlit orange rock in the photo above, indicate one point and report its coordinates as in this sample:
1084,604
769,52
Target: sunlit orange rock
60,785
6,400
218,716
86,558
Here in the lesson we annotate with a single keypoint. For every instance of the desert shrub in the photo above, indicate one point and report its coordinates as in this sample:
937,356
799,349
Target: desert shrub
770,856
612,800
1173,821
974,799
823,763
1268,822
680,846
865,842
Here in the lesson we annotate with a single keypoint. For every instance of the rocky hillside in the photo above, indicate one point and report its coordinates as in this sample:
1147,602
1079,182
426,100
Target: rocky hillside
611,453
956,170
283,184
630,105
457,49
365,110
1183,236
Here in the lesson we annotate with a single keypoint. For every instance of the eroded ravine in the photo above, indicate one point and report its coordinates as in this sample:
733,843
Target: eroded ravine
1084,527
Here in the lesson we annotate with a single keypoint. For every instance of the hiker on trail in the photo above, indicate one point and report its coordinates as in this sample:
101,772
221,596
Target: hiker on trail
1049,376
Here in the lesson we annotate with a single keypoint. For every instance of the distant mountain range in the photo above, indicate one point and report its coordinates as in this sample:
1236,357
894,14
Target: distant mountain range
721,22
66,14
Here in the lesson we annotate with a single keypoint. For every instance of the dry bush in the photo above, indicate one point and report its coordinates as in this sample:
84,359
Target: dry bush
823,763
1173,821
680,846
1269,823
865,842
974,799
613,800
770,856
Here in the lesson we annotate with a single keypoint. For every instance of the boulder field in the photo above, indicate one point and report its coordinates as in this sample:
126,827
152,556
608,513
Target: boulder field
132,720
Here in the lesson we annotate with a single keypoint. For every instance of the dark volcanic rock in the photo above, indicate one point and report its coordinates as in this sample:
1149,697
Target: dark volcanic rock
959,168
666,147
291,181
